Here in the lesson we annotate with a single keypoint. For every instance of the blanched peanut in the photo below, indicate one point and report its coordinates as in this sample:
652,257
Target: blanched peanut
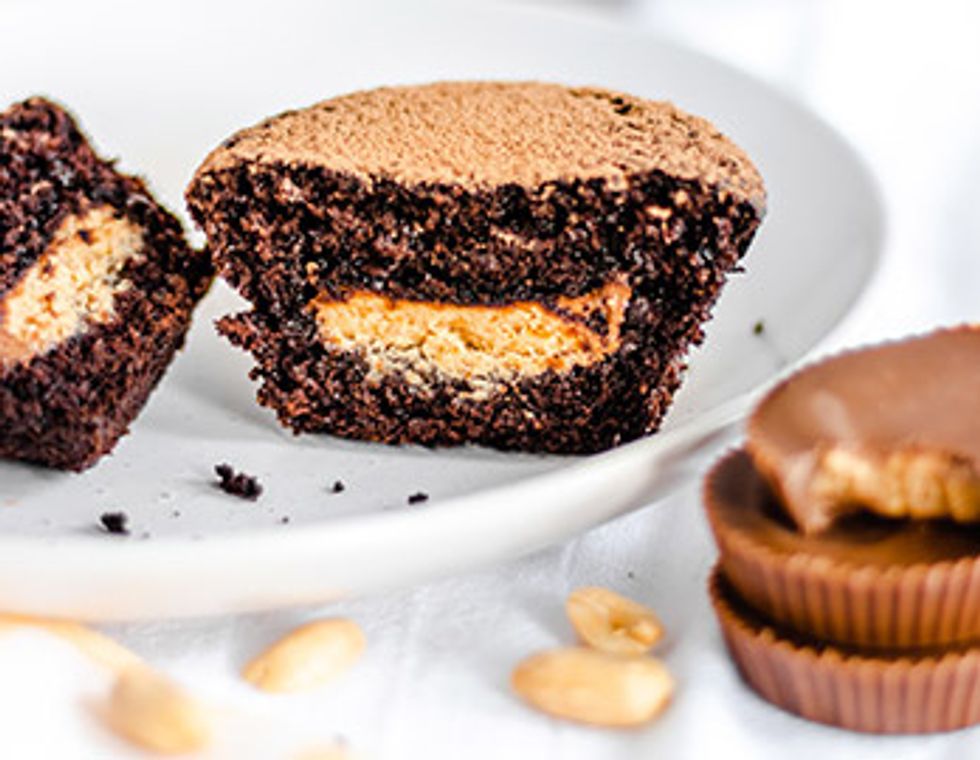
88,641
155,714
307,657
594,687
611,622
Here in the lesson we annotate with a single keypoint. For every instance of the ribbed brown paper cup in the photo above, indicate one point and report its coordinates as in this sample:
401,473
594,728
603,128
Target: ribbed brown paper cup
874,693
871,585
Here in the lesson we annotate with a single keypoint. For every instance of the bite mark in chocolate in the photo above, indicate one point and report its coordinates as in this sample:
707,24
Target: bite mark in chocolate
916,578
890,429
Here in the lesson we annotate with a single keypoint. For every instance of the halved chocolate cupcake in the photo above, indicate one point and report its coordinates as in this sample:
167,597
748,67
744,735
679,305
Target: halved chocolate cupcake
519,265
97,285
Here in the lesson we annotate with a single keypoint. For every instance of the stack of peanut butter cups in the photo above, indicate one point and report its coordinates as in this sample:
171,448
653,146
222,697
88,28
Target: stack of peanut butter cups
848,582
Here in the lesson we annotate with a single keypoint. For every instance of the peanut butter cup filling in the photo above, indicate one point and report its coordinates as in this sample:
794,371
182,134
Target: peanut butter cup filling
74,283
479,344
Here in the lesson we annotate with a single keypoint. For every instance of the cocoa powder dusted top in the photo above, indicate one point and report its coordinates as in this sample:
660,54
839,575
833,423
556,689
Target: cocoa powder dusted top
484,134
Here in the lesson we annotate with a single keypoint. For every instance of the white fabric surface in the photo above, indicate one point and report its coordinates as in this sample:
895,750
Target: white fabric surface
902,81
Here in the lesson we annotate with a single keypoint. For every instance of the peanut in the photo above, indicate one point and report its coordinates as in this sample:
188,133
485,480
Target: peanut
97,646
612,623
155,714
594,687
307,657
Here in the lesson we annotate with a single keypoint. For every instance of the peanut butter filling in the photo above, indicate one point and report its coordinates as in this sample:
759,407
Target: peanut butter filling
74,283
483,345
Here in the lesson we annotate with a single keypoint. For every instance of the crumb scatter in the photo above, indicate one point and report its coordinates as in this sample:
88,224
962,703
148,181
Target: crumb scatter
237,483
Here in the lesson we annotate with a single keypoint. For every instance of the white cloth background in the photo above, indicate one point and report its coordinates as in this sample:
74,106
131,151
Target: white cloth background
902,80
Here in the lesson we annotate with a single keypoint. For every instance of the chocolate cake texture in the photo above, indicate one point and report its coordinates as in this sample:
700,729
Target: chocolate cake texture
97,284
519,265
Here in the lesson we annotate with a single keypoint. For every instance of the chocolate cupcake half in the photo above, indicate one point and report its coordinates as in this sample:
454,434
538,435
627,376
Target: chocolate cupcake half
519,265
97,285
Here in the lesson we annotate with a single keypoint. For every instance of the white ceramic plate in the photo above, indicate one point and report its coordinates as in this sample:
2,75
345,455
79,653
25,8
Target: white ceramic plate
159,86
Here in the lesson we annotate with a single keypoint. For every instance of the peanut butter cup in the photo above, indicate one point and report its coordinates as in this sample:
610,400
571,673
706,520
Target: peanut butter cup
520,265
867,581
892,429
910,692
848,584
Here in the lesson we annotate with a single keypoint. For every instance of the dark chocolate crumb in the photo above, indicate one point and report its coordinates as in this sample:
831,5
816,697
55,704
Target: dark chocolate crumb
338,487
758,328
418,498
284,519
175,513
115,522
238,483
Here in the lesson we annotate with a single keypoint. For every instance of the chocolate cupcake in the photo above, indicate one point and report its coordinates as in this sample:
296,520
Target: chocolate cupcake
517,265
97,285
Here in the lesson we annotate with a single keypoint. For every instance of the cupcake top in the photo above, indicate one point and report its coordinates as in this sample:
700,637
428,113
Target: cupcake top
485,134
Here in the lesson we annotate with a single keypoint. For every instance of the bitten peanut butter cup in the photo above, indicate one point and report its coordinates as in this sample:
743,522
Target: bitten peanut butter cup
867,581
911,693
890,429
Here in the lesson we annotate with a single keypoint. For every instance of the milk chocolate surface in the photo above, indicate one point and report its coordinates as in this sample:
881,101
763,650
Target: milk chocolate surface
922,393
739,499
